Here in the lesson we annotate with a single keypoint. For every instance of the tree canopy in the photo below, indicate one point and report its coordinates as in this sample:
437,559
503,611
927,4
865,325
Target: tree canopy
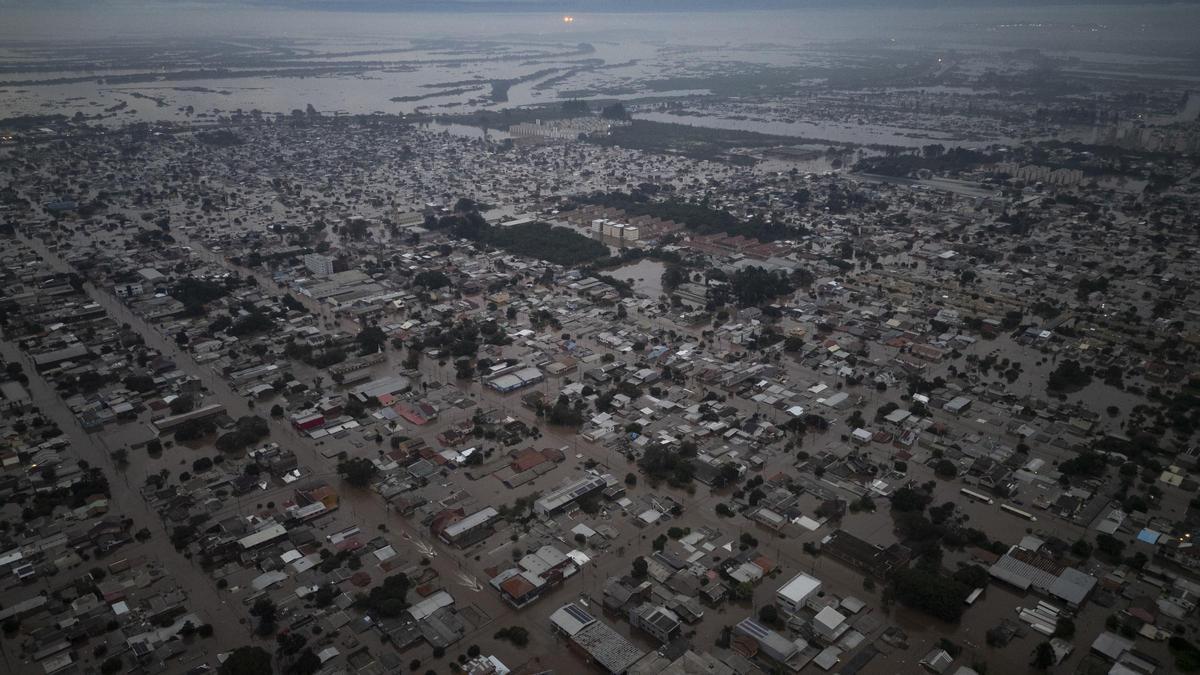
247,661
357,471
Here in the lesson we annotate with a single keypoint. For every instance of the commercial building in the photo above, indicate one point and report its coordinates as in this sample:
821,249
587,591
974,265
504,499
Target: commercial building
516,379
595,640
795,594
770,644
166,424
875,561
1029,569
470,529
320,265
559,499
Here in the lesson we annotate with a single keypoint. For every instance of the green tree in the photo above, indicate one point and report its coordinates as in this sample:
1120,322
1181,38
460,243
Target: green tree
307,664
266,611
769,614
930,592
614,111
1043,656
909,500
945,469
640,568
247,661
1109,545
1081,549
517,635
357,471
388,599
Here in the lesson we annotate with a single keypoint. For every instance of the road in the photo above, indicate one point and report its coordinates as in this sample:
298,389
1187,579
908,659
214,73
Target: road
465,582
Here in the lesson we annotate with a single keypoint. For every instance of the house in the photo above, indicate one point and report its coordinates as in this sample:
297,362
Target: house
1111,646
937,661
533,575
658,621
957,405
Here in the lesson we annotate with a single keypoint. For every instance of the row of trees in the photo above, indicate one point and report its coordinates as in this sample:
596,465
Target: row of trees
558,245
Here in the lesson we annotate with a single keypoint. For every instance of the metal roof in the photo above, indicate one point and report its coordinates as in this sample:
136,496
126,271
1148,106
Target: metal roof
571,619
608,647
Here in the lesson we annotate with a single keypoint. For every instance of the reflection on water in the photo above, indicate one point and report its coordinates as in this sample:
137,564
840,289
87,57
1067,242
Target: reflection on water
645,276
468,131
864,134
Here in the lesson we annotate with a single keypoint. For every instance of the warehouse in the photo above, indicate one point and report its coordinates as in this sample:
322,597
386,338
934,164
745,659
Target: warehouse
516,380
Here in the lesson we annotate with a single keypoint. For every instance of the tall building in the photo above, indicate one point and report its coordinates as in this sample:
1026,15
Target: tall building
318,264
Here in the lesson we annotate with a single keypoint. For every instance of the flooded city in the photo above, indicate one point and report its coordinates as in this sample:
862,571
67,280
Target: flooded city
662,338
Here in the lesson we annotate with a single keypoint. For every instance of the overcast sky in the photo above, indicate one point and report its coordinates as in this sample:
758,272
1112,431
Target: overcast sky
556,5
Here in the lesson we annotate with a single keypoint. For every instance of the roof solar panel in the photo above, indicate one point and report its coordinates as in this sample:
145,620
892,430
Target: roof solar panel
753,628
578,614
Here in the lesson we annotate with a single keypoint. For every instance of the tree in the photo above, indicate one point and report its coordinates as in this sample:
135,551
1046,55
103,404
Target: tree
1081,549
945,469
769,615
464,369
631,479
615,111
1068,376
247,661
1043,656
575,108
517,635
640,568
1087,463
307,664
1065,628
908,500
1109,545
357,471
248,430
265,610
276,410
431,280
672,277
388,599
973,576
371,340
930,592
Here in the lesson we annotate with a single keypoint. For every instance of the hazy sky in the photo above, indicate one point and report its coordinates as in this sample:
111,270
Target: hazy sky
556,5
817,20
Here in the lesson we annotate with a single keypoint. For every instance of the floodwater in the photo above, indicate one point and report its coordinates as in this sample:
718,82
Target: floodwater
835,132
356,62
468,131
645,275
